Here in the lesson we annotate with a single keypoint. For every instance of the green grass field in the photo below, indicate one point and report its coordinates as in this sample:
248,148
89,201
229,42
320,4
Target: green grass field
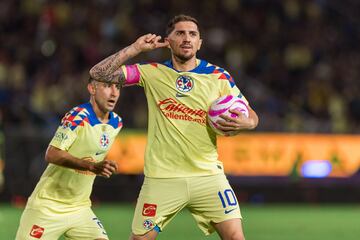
265,222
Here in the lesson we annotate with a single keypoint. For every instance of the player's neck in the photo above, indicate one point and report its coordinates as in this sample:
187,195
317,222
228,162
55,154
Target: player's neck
184,66
101,115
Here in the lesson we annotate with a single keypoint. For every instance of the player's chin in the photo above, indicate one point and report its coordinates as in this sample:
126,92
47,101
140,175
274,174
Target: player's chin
185,56
189,55
110,108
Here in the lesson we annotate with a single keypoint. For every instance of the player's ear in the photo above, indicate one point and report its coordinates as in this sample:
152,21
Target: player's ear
166,39
200,43
91,88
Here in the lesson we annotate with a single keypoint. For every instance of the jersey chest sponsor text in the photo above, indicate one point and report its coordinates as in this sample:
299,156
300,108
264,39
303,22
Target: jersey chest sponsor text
173,109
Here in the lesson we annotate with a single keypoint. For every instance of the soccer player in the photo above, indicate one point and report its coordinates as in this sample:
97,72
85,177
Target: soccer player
60,204
182,169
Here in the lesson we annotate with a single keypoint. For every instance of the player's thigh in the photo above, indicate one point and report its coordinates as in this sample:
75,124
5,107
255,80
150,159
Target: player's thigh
213,201
36,224
230,229
158,202
85,225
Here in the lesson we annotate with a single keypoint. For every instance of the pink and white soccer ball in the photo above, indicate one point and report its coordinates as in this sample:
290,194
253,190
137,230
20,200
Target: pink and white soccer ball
222,105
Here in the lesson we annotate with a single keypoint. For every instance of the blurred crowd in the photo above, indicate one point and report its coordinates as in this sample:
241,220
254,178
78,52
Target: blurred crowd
297,61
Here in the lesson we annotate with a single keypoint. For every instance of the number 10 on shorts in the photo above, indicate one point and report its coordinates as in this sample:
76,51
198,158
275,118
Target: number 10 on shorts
227,198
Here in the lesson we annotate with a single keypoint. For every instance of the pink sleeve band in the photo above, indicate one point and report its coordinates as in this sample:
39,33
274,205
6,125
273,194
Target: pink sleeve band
132,75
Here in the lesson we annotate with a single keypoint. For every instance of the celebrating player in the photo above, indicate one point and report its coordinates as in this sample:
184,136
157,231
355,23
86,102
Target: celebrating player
60,203
181,161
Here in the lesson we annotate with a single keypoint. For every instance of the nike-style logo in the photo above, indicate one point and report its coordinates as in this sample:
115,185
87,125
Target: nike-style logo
229,211
99,153
181,95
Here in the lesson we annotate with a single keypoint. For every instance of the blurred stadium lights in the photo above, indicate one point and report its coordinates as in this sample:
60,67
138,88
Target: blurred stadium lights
316,168
48,48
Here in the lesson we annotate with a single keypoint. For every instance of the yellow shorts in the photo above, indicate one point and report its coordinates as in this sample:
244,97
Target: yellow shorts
210,199
81,224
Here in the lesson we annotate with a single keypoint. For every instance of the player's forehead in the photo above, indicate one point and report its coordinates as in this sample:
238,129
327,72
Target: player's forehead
186,26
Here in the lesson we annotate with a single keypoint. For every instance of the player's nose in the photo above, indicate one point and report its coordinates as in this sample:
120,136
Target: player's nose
115,91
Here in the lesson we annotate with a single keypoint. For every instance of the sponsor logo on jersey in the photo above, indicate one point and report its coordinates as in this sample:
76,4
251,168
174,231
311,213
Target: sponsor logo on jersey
149,210
60,136
227,211
36,231
184,83
100,152
179,95
104,141
173,109
148,224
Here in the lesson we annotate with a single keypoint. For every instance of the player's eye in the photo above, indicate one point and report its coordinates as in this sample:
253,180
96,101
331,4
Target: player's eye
109,85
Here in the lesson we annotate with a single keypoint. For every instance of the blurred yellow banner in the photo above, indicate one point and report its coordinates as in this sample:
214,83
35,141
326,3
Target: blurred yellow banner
259,154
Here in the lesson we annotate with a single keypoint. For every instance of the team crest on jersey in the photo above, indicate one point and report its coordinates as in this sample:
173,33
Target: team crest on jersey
36,231
184,83
148,224
104,140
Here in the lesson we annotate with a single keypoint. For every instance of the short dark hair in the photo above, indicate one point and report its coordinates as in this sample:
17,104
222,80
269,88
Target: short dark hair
180,18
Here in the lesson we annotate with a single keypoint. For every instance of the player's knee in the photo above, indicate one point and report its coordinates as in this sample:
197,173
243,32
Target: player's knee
237,236
134,237
137,237
233,236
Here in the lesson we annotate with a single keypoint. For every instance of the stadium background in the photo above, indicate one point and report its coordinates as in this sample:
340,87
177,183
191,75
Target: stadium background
297,61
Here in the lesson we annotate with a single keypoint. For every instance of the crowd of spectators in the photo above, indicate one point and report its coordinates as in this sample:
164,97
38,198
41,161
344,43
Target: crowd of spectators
297,61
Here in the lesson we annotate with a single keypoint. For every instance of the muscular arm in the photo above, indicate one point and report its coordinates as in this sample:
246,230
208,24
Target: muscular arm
62,158
109,68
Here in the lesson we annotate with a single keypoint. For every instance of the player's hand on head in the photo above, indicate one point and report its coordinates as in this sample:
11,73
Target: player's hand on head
149,42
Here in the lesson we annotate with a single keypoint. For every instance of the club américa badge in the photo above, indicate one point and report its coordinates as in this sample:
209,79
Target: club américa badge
184,83
104,139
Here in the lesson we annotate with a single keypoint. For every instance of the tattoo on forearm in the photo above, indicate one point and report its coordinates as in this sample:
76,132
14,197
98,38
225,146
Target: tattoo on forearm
105,69
115,77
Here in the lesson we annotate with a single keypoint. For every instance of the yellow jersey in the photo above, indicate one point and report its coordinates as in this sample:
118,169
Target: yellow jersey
180,143
81,134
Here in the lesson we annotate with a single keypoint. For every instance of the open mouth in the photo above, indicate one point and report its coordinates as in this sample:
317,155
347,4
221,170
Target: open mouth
186,46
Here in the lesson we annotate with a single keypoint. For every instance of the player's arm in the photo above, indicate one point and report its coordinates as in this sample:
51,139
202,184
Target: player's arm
233,126
62,158
109,69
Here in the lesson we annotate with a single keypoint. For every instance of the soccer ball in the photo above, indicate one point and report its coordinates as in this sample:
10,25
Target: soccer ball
222,105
